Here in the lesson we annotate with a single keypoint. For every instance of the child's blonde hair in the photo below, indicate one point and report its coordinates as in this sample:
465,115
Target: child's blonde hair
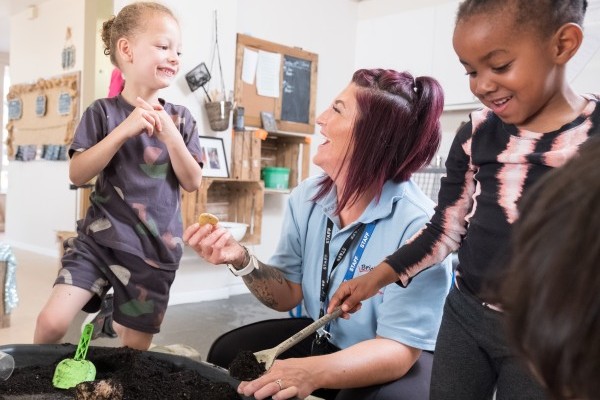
127,23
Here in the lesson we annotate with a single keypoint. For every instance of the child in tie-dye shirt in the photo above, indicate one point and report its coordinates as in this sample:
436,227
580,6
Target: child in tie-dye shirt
515,53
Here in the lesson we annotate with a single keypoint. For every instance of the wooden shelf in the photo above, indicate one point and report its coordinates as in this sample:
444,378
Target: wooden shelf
277,191
233,200
252,150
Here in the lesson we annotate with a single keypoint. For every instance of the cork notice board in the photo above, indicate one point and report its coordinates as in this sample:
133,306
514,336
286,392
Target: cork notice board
43,113
294,109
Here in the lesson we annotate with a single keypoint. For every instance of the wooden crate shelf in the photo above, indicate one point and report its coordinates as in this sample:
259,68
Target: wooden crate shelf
276,149
246,155
230,200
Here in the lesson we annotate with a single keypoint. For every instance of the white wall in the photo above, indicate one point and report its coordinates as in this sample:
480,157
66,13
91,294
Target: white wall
584,69
3,63
39,201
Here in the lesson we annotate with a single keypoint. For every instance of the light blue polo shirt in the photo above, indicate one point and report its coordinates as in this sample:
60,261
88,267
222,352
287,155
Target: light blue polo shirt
409,315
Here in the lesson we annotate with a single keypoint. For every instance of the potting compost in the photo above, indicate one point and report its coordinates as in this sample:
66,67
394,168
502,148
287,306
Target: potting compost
246,367
139,376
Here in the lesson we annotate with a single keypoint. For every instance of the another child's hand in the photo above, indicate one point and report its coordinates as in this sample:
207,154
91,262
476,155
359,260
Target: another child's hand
214,244
350,293
166,126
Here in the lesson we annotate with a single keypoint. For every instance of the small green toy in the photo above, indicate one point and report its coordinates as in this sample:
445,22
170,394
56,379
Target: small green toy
72,371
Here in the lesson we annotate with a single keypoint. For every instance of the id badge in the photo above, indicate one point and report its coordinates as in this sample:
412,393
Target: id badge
320,344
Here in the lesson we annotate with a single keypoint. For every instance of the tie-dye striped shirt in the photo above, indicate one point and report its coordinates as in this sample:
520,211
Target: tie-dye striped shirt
489,167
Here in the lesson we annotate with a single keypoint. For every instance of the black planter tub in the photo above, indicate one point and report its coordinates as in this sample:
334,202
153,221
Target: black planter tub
143,374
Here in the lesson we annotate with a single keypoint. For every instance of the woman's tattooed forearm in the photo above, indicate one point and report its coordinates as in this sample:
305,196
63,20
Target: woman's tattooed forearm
262,281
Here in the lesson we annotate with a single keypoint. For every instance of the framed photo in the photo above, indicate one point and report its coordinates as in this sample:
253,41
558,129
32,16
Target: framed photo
268,121
197,77
213,157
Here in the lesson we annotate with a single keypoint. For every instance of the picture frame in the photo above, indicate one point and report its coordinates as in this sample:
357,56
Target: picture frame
268,121
198,77
213,157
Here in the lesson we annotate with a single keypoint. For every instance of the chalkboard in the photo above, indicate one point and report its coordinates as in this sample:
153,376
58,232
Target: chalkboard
294,108
295,90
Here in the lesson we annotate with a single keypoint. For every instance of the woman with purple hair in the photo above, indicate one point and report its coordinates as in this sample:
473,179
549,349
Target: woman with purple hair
378,131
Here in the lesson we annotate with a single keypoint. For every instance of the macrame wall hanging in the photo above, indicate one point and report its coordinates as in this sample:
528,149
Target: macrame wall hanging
218,107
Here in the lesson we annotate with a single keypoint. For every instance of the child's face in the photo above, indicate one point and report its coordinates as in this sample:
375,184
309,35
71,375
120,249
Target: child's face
155,52
510,71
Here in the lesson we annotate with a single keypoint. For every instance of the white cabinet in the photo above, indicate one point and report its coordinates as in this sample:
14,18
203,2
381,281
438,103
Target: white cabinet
582,70
407,38
419,41
446,66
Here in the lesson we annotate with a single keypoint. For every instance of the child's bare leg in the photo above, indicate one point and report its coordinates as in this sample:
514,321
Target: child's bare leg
62,306
132,338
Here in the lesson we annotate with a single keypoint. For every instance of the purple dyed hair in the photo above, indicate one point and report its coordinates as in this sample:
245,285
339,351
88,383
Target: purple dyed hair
396,132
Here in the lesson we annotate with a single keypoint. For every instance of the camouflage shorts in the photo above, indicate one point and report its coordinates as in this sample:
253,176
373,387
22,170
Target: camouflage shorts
141,292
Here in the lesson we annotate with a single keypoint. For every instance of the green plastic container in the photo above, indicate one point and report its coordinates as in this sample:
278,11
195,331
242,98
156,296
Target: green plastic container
276,177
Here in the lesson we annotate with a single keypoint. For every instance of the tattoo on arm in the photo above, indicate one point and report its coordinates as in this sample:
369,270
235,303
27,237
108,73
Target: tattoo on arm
263,282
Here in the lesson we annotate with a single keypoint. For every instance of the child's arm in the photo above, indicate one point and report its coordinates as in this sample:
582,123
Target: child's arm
444,232
442,235
187,169
87,164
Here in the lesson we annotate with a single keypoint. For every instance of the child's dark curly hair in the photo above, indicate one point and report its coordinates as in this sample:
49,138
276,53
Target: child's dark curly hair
546,16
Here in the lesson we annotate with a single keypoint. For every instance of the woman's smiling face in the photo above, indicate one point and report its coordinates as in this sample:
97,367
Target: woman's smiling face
337,123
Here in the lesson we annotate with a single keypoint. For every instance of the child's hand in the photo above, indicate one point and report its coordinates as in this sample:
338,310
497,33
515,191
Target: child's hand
350,293
139,121
214,244
166,126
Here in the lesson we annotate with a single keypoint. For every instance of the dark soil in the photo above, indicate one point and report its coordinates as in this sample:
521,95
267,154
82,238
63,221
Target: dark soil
245,366
142,377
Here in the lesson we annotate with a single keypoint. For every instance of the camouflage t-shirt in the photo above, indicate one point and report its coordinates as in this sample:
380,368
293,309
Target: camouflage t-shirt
135,205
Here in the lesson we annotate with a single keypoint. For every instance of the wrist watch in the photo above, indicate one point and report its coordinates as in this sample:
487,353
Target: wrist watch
249,265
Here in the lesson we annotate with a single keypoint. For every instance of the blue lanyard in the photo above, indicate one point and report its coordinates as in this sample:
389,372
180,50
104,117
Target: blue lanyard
359,251
367,232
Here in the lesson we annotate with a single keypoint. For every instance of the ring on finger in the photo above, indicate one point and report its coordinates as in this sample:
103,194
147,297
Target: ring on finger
279,383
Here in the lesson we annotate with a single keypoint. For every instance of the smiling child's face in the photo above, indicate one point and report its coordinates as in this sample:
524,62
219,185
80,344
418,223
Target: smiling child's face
511,70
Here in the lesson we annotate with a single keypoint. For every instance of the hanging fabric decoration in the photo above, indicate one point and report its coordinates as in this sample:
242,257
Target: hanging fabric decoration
68,52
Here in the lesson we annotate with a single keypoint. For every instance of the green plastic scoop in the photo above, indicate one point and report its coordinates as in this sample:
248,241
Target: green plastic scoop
72,371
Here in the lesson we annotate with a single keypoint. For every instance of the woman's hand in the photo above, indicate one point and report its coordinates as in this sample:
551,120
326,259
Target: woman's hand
214,244
286,379
350,293
367,363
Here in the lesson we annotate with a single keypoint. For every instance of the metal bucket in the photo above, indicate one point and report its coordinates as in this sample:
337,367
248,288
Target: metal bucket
218,114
